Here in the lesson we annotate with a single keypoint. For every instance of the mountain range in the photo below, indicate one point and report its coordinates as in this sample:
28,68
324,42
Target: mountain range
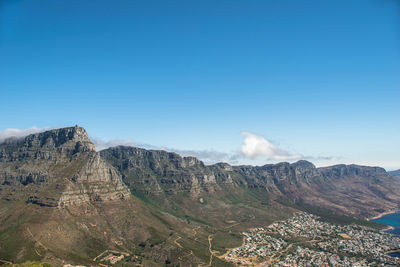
61,201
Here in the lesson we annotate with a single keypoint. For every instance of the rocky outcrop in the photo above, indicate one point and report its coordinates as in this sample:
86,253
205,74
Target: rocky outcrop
58,168
96,180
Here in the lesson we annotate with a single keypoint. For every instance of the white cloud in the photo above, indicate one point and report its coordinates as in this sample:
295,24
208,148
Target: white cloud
100,144
207,156
256,146
19,133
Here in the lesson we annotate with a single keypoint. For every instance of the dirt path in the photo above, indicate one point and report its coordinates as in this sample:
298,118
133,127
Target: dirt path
222,257
101,254
195,232
212,253
230,226
6,262
36,240
272,259
176,242
210,249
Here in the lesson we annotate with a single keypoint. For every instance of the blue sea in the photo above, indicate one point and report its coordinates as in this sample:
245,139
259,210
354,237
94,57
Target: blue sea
391,220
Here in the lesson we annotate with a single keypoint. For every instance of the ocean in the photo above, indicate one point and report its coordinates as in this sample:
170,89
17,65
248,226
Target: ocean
391,220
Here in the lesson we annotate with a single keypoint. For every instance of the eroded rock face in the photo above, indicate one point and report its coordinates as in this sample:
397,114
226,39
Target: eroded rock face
153,171
96,180
359,191
49,145
61,167
58,168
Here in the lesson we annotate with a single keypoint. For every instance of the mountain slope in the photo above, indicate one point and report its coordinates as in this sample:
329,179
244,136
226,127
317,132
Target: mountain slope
343,189
185,187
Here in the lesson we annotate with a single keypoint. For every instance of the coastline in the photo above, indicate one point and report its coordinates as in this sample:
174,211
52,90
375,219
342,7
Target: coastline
388,228
393,251
380,215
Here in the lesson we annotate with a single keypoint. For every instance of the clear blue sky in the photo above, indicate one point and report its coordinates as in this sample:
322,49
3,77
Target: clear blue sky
315,78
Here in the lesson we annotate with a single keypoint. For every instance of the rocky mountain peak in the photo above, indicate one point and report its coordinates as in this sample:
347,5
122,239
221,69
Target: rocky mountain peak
50,144
69,137
303,164
59,167
341,170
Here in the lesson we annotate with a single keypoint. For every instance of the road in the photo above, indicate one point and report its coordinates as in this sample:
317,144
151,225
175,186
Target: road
210,249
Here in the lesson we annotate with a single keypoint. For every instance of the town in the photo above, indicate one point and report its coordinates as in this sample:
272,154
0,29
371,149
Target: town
305,240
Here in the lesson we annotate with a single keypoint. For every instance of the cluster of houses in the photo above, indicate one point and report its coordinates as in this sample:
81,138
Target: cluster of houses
308,257
257,245
110,257
304,240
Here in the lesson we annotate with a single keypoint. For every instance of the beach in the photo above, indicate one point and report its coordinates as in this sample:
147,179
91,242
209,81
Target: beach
388,228
380,215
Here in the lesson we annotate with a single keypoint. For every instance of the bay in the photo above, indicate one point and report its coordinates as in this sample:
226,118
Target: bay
393,220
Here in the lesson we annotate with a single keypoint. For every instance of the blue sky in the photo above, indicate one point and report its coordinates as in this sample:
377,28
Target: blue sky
315,79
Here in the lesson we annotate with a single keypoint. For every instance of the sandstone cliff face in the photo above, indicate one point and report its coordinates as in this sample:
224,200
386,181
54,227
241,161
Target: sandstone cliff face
346,189
96,180
58,168
152,172
49,145
61,167
358,191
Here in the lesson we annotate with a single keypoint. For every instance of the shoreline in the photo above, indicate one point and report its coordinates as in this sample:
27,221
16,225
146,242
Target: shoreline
388,228
380,215
392,251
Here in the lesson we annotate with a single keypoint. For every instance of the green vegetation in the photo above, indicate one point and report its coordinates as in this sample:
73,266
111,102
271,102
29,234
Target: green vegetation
226,240
329,216
13,236
156,237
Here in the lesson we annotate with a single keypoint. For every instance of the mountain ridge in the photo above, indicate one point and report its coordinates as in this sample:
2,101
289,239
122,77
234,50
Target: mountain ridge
299,180
57,192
